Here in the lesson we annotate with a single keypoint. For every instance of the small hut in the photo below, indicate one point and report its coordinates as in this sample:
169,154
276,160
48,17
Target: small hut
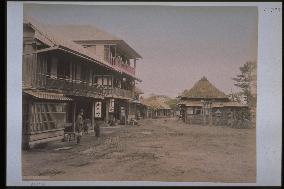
204,104
157,106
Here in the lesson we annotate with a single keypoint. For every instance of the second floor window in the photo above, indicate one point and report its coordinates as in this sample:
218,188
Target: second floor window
104,80
63,69
85,73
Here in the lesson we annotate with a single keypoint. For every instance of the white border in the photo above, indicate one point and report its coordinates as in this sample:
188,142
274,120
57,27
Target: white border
269,99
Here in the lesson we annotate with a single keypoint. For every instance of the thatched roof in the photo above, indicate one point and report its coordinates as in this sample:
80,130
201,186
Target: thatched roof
203,89
156,102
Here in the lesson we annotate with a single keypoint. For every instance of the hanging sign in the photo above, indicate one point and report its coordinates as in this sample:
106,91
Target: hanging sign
98,109
111,105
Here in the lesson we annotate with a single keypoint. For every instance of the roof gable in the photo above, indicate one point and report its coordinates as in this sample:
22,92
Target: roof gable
203,89
88,34
83,32
54,39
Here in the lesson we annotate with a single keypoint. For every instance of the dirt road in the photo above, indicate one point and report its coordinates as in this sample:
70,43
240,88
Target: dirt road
156,150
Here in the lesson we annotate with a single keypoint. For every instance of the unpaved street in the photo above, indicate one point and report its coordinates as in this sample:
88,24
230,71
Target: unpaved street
156,150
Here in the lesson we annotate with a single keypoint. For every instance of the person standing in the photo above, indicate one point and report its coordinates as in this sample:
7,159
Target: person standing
79,125
97,128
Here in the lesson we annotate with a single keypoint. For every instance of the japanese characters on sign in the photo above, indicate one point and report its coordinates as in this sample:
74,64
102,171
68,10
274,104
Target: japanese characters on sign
111,105
98,109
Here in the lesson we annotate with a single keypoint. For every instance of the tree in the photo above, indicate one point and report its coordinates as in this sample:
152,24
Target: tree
236,97
245,81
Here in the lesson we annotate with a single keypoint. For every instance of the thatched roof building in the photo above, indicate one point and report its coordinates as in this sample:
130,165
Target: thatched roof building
157,102
205,104
204,89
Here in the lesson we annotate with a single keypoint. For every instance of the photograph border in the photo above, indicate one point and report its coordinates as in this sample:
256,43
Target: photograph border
269,98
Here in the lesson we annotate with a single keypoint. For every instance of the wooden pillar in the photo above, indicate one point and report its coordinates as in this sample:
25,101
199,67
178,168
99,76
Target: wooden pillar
210,116
74,115
53,71
128,112
135,63
107,111
90,76
203,115
78,72
70,70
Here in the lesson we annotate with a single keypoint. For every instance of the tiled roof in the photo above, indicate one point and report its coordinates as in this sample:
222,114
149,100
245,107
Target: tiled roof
83,32
55,39
47,95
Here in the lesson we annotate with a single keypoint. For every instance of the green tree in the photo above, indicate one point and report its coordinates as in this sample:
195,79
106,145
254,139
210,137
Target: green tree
245,82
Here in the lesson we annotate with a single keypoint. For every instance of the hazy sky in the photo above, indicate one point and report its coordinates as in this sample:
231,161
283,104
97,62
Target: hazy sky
179,45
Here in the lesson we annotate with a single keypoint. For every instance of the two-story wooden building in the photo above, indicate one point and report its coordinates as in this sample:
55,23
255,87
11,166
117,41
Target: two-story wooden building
68,68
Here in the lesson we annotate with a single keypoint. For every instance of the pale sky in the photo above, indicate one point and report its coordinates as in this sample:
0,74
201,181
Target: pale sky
179,45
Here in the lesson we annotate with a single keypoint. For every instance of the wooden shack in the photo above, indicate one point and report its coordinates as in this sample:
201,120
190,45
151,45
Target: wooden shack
204,104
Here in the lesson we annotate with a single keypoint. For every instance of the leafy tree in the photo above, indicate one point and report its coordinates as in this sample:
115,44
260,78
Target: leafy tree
245,81
236,97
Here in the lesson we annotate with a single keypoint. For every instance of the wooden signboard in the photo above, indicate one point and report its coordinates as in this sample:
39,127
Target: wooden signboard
98,109
111,105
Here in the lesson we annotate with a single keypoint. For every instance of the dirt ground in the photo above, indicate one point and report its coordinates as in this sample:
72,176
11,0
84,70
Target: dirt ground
156,150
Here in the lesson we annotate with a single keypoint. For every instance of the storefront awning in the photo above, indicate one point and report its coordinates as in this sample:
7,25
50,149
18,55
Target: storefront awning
48,95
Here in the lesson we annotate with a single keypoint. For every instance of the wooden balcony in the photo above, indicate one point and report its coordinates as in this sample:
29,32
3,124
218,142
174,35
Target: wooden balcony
122,65
68,86
80,88
119,93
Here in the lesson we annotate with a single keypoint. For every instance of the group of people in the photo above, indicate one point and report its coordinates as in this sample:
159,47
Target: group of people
81,126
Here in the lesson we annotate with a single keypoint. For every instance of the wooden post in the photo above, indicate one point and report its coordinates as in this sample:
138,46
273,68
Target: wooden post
74,116
203,114
210,116
107,111
53,71
90,76
135,63
128,112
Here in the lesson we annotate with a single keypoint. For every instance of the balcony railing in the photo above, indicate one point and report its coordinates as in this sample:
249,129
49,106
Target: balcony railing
79,88
117,92
69,86
119,63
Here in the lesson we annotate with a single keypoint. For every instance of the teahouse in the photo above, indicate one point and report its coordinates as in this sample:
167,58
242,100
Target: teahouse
204,104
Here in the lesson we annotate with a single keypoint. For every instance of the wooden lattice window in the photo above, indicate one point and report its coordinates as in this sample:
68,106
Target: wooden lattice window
47,116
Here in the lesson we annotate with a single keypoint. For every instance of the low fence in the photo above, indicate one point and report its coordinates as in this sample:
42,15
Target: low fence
217,121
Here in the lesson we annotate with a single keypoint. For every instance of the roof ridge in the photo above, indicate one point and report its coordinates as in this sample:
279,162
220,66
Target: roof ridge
203,88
